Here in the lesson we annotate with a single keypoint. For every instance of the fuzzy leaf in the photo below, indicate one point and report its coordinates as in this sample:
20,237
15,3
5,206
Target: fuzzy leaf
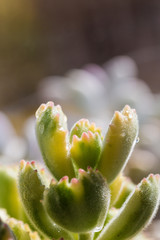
31,190
52,135
116,188
127,187
118,143
86,144
136,213
82,204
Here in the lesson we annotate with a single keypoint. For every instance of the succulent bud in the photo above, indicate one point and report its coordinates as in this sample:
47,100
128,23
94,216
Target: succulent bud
118,143
136,213
80,205
52,135
86,144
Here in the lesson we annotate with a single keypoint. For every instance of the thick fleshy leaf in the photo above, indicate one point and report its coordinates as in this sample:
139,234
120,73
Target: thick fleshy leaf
82,204
86,144
127,187
52,135
118,143
83,125
136,213
9,197
31,188
116,188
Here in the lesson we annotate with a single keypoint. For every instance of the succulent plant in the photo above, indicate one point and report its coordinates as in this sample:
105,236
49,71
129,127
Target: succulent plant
88,198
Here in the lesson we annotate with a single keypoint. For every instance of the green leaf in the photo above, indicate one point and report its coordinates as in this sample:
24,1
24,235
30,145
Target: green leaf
85,144
52,135
31,190
81,205
9,196
118,143
136,213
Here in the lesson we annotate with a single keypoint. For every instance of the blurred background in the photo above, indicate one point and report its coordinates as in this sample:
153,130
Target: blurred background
80,54
43,38
92,57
